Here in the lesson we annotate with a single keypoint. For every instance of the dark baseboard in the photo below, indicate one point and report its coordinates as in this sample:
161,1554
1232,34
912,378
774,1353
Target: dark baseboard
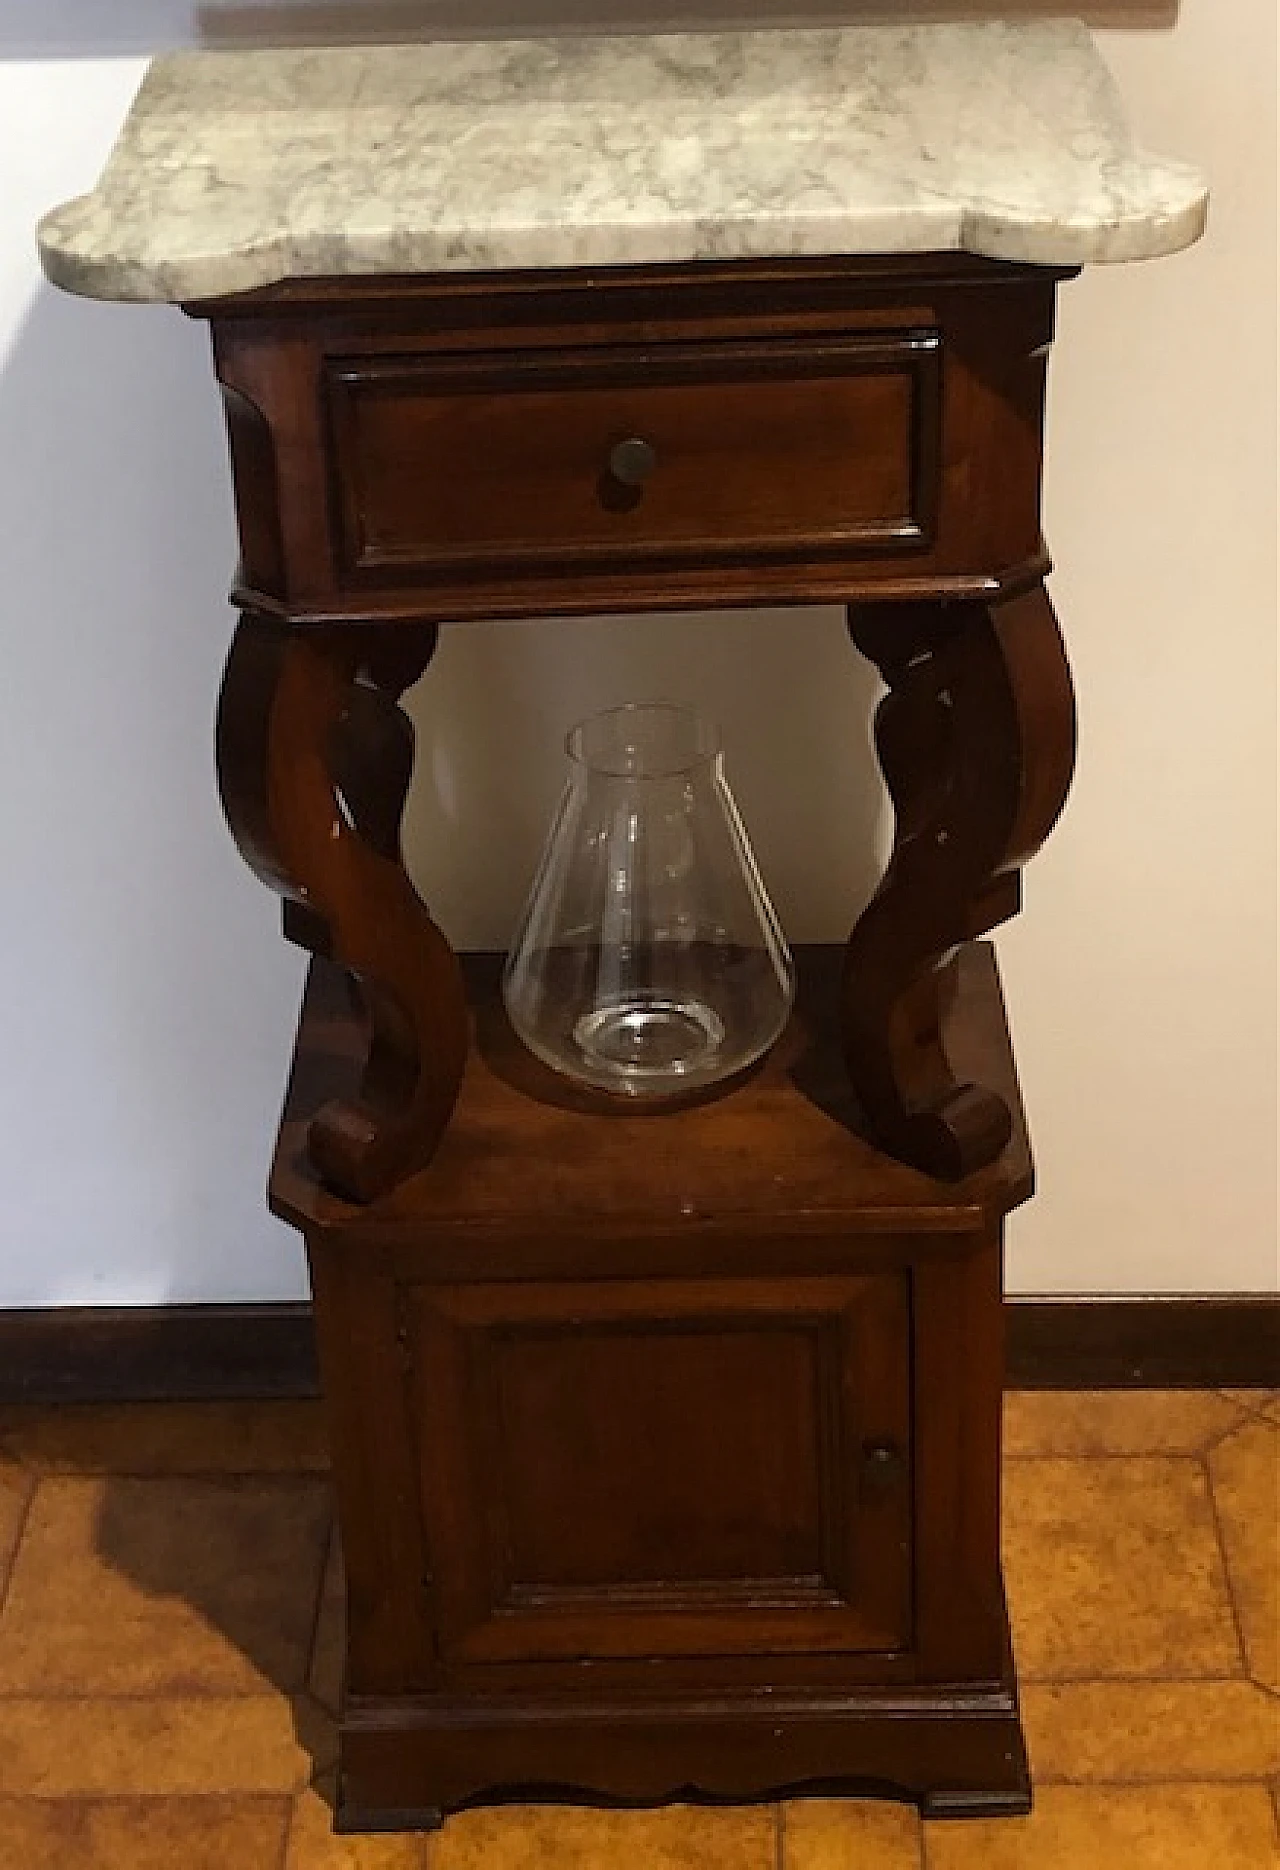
160,1353
1182,1343
224,1352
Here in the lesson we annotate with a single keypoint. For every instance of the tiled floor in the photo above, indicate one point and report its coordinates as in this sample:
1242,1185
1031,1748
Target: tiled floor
170,1635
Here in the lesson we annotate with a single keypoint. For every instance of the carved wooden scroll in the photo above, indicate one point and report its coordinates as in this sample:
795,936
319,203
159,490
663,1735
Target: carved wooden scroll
976,740
314,761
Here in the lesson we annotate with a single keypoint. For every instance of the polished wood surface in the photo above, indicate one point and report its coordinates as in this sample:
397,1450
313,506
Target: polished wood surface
608,1478
977,741
451,466
314,758
786,1148
666,1445
688,1467
445,451
824,431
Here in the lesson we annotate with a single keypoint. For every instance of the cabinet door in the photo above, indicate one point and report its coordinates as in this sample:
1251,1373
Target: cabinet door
664,1467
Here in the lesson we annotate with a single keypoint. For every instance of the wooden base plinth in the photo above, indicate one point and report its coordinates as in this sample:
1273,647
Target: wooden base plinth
403,1766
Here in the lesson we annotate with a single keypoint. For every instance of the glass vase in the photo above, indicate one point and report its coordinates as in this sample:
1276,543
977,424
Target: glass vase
649,960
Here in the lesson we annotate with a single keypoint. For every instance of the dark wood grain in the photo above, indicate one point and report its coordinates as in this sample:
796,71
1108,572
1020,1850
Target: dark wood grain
953,1756
721,1430
783,449
977,741
825,431
666,1445
313,759
847,428
786,1149
640,1468
390,1647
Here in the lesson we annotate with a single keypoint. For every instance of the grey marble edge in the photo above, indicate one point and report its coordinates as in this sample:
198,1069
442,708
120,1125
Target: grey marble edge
1169,216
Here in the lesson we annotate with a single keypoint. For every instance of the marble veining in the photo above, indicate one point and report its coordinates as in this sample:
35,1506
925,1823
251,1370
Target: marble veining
238,169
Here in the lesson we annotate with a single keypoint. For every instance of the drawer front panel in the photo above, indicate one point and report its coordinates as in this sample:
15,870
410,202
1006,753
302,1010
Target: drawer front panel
666,1468
774,450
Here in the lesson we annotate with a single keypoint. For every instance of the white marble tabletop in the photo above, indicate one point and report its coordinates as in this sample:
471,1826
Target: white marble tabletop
238,169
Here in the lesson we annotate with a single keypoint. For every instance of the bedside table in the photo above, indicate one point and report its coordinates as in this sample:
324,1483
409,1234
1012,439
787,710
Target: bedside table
666,1447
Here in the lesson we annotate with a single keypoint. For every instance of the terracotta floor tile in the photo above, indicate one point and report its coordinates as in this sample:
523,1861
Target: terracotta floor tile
172,1438
313,1846
328,1654
141,1834
1114,1569
1084,1422
77,1748
1151,1730
574,1837
1245,1474
846,1834
1260,1401
317,1733
198,1593
15,1492
1169,1827
164,1587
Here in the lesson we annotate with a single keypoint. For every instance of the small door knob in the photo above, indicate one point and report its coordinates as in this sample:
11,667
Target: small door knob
632,461
883,1465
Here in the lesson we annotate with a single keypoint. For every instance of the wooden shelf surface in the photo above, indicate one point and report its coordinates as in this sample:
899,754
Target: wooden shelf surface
778,1153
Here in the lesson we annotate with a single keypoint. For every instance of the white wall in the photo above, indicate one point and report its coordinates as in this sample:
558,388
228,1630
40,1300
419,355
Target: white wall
146,1003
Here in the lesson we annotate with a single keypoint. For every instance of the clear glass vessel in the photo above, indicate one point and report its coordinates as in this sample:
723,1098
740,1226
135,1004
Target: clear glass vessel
649,960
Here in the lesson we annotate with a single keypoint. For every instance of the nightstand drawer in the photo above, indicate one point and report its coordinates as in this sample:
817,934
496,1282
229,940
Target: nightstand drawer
672,454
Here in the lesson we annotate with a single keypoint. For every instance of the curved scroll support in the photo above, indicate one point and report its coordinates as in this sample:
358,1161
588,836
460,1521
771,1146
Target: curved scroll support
976,739
314,761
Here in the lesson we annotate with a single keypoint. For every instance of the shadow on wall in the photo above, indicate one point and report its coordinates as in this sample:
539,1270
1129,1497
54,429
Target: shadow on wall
86,28
145,1030
146,994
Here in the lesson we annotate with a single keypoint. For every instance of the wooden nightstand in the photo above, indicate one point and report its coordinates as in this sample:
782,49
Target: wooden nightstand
666,1447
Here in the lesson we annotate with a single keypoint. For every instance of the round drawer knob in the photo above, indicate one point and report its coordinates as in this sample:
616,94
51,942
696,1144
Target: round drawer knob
631,462
882,1464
